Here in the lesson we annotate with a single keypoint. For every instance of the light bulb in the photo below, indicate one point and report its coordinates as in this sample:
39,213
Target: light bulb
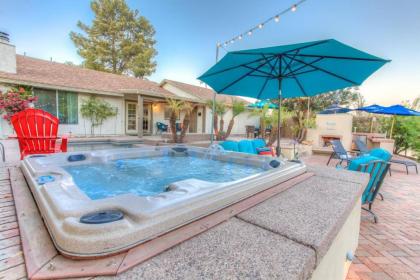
249,32
232,41
294,8
260,26
240,37
277,18
225,44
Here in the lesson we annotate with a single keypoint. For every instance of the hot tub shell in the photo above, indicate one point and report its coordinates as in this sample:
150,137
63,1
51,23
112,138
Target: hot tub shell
62,203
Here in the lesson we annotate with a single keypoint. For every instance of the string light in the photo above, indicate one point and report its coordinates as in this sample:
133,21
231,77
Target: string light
276,18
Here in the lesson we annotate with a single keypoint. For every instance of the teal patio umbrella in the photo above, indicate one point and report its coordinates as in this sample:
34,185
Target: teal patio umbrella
262,103
305,69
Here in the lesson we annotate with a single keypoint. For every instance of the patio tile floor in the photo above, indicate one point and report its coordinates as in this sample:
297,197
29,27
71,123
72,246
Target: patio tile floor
387,250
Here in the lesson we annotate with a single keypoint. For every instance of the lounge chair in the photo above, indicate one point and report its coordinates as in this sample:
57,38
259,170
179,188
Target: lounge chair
36,132
407,164
339,153
361,146
377,169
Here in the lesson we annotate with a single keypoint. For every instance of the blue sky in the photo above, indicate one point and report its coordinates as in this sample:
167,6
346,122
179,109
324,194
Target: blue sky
187,32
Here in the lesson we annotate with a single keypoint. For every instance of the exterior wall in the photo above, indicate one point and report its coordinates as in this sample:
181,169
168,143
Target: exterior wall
7,57
241,121
112,126
177,91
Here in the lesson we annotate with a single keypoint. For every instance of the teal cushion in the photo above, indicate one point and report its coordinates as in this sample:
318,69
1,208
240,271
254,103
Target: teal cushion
259,144
245,146
381,154
230,146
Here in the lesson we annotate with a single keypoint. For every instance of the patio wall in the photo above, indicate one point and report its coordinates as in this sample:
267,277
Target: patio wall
111,126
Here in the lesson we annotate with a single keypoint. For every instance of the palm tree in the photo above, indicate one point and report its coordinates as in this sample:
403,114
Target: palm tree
187,107
176,107
238,107
273,121
220,111
264,115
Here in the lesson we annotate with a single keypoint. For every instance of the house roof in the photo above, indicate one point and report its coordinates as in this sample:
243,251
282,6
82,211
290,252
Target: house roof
43,73
202,93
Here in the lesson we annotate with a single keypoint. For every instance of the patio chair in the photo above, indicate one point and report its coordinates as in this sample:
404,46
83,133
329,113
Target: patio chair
361,146
250,131
339,152
36,132
161,127
377,170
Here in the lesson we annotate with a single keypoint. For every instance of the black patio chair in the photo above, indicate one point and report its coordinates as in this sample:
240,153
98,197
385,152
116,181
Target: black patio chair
339,152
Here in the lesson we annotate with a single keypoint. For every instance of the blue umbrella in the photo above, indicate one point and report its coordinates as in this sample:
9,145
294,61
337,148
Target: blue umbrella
262,103
371,108
335,109
288,71
395,110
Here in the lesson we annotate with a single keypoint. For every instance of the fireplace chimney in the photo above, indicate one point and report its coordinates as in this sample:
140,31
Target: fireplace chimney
7,54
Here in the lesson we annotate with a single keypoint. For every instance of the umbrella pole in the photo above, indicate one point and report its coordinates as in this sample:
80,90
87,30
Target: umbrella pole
278,150
392,127
214,104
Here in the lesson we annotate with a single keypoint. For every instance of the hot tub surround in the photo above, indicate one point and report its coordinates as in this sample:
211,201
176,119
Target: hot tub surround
62,203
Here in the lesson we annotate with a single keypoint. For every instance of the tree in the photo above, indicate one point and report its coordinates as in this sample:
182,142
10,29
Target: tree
343,97
218,125
238,107
176,107
97,111
119,40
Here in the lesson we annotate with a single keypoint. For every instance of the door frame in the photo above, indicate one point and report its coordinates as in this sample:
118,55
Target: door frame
149,106
127,131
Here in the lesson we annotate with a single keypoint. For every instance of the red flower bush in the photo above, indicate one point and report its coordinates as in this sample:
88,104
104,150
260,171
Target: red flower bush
14,101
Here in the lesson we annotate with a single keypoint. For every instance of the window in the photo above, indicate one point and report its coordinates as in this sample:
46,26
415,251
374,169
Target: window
62,104
167,113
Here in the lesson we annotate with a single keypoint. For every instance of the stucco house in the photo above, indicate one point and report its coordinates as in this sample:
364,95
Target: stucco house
139,103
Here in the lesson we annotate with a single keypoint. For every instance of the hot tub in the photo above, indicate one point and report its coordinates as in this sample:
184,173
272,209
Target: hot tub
97,203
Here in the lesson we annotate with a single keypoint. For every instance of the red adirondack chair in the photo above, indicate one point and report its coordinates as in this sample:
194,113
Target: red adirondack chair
36,132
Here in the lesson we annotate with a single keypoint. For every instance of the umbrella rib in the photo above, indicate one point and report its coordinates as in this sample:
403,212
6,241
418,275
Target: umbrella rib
266,81
241,77
260,71
272,66
302,67
327,72
297,80
345,57
233,67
